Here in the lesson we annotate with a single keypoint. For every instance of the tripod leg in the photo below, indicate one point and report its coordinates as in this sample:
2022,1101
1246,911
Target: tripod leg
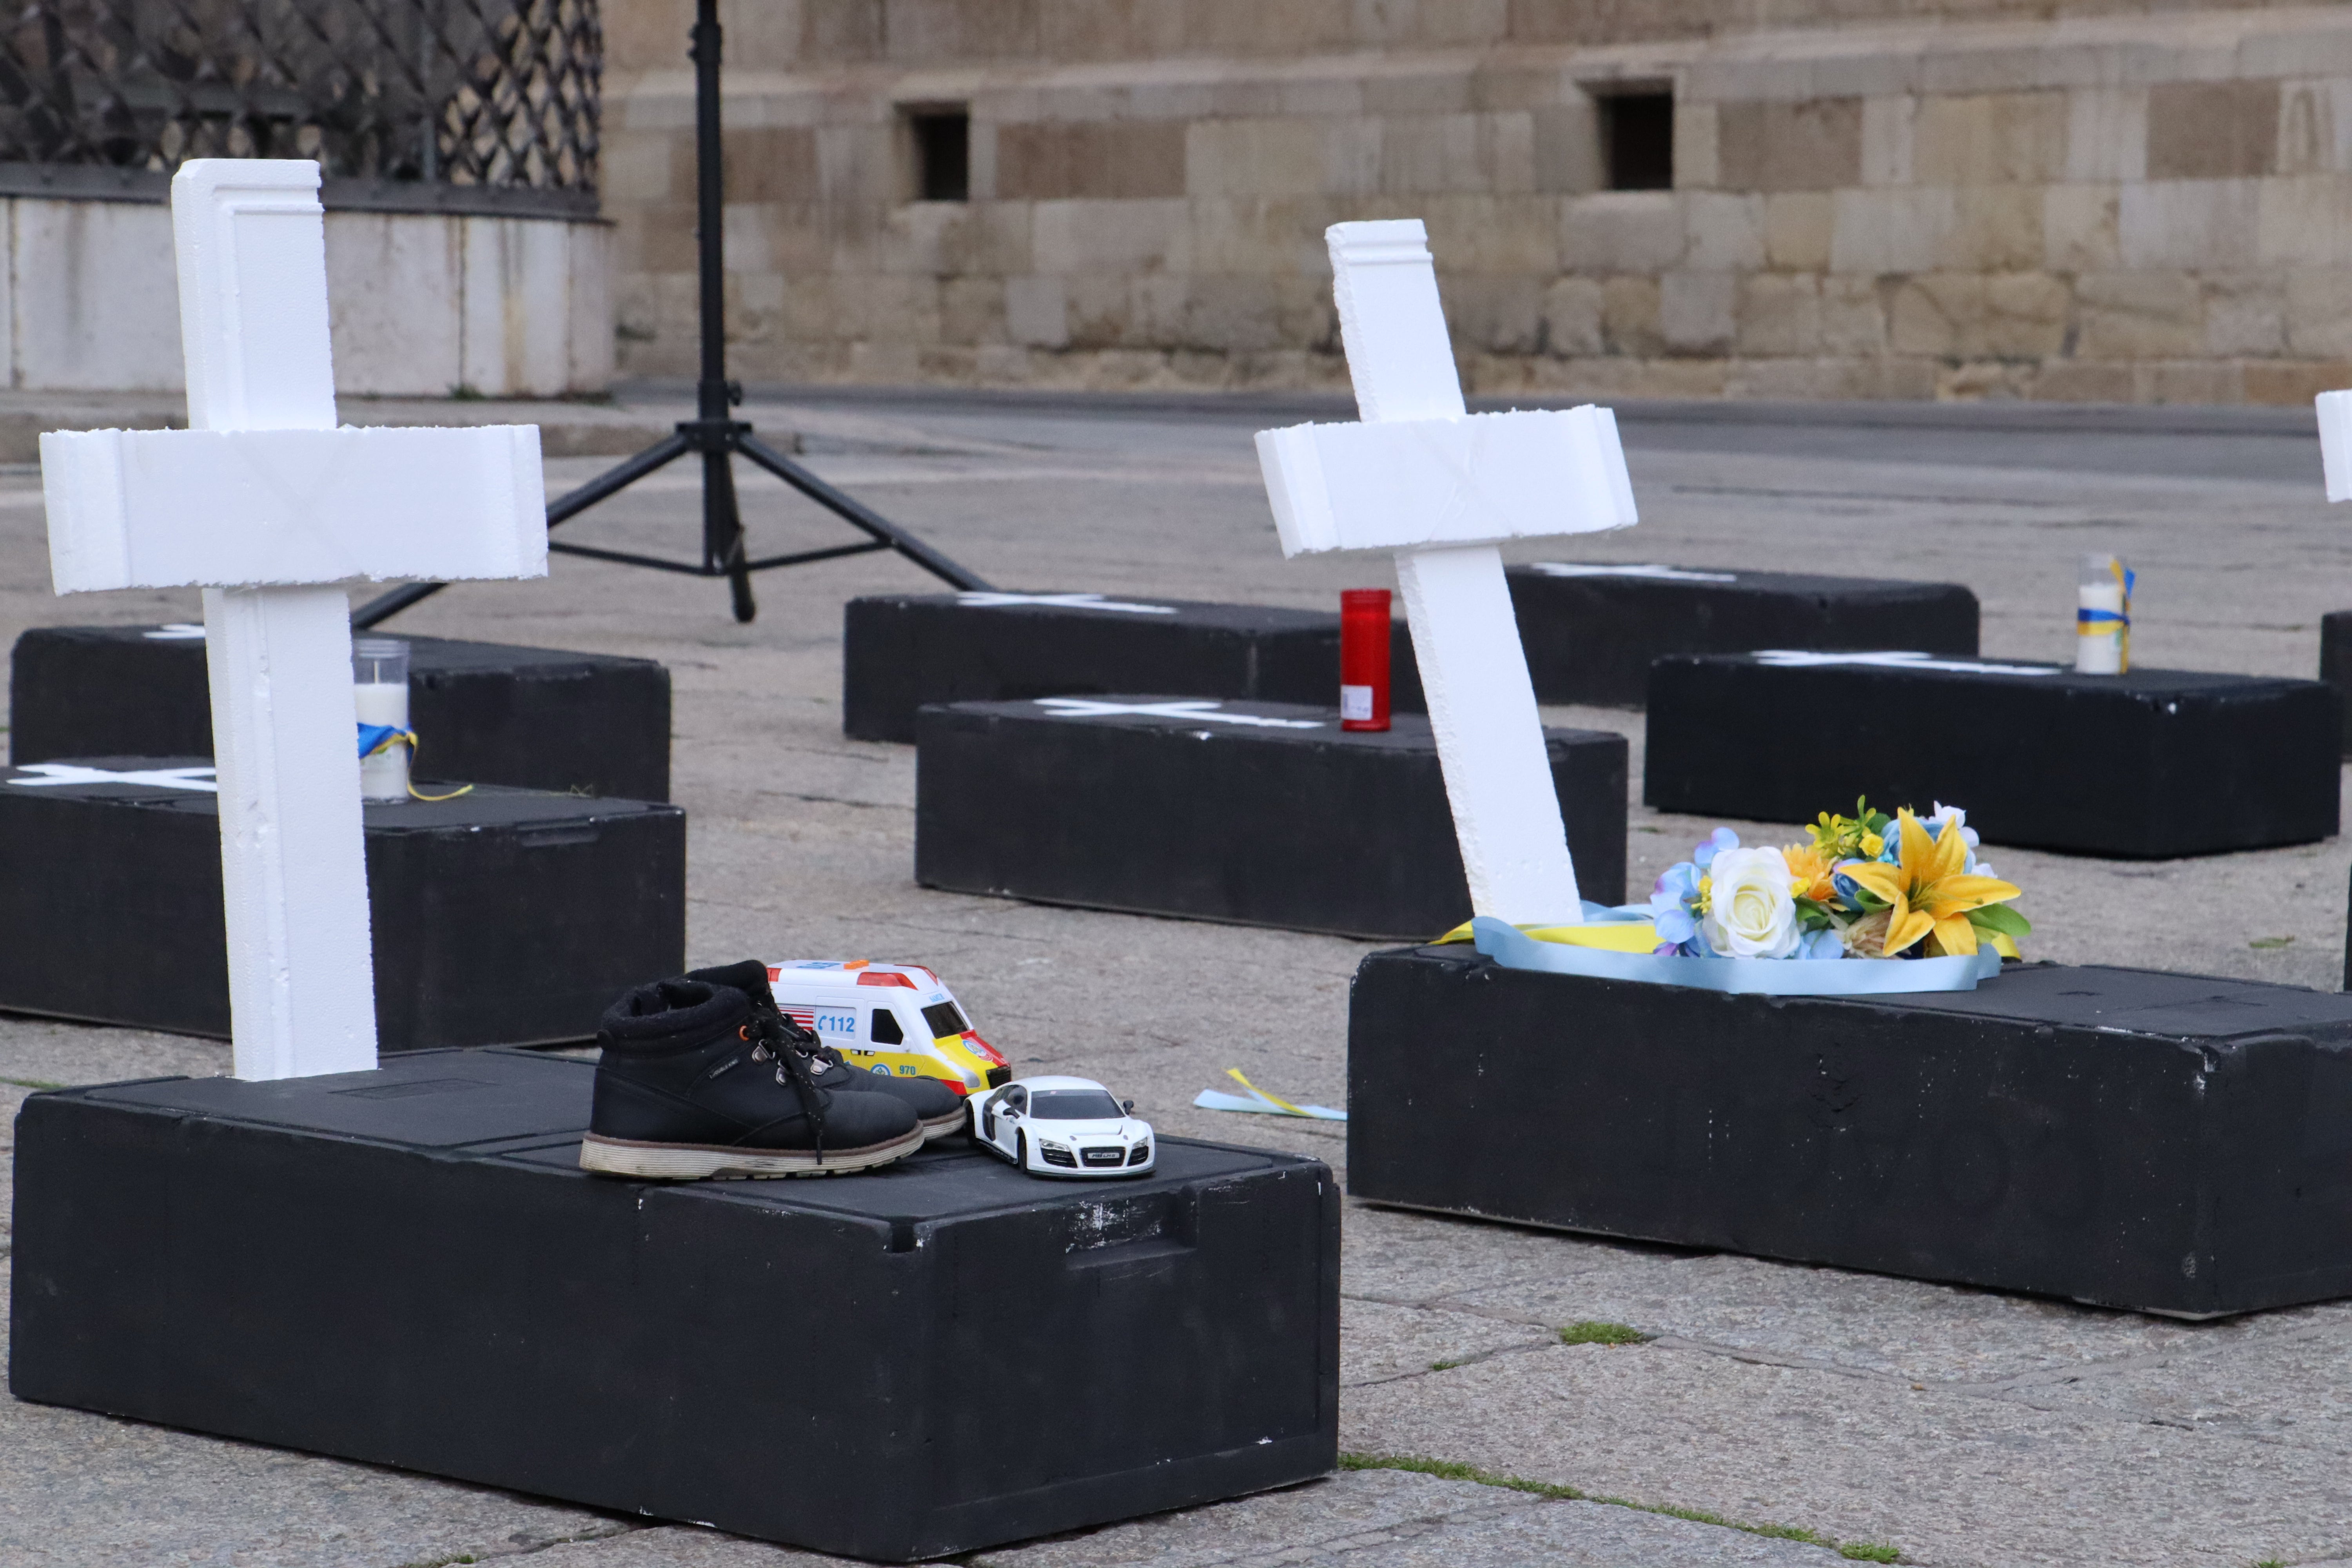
722,531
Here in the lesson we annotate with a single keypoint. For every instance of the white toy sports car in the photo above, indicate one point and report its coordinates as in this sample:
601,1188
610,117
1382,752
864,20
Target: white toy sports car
1062,1127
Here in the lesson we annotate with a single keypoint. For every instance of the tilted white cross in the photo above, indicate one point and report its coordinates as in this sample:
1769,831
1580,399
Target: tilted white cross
1441,487
266,505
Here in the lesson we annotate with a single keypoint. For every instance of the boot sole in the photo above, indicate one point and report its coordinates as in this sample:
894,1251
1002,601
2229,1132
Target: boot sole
948,1126
704,1161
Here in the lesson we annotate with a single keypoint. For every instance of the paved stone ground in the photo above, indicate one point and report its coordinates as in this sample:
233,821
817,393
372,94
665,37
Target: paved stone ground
1962,1427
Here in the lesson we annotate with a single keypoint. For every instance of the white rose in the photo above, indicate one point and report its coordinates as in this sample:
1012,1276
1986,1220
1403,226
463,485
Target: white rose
1752,910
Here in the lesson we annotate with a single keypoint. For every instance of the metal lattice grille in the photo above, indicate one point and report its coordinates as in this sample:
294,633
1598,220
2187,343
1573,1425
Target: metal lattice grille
491,93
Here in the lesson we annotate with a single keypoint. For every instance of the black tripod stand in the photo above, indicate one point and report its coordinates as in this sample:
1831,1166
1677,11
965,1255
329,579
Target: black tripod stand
712,433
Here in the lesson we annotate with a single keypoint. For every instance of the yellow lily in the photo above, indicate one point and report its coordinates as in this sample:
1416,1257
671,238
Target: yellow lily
1926,894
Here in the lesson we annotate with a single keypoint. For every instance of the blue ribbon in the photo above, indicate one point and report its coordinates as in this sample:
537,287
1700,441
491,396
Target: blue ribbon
1514,949
374,738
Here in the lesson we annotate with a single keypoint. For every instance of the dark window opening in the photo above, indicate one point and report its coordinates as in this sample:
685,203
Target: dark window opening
1637,130
944,1019
942,154
884,1030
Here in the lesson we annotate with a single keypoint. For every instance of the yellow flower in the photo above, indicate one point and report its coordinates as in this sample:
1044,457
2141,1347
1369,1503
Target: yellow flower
1810,872
1928,894
1870,846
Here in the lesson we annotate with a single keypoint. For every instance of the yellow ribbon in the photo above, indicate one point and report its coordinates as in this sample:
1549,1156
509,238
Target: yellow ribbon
1615,936
1235,1074
408,737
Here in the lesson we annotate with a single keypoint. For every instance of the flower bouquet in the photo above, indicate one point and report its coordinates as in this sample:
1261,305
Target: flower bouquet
1907,895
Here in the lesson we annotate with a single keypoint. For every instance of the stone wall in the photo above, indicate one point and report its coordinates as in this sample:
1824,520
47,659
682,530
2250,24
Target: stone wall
423,304
1908,198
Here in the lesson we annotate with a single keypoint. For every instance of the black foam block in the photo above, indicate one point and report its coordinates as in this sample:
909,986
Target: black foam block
2149,764
504,916
2164,1143
1589,636
534,717
1308,828
407,1267
900,651
2335,659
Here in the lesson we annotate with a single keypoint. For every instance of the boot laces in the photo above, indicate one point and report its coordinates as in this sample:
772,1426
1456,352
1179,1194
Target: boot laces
781,1042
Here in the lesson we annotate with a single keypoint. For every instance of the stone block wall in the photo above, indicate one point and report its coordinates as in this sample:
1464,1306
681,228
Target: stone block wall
2074,199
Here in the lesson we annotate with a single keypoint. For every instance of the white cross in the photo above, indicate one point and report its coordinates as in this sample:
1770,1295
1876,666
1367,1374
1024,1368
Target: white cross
1794,658
2335,443
266,506
1212,712
153,778
1667,574
1441,487
988,601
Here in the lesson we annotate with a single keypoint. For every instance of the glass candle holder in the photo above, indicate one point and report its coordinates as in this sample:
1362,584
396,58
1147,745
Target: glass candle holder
1364,658
380,685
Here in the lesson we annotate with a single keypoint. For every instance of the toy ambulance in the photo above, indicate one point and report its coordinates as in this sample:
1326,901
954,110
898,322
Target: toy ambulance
890,1018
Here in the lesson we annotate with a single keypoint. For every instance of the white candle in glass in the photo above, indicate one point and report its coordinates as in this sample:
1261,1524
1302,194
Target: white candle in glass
2099,645
380,682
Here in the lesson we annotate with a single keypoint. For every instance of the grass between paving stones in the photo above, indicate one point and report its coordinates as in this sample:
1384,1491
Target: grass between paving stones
1593,1331
1448,1469
30,1083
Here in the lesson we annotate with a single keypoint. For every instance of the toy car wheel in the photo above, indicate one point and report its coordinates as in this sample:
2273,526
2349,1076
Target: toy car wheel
1021,1149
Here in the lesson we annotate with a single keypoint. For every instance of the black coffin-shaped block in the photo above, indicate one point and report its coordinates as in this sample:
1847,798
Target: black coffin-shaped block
2157,1141
1309,828
1591,633
501,917
900,651
2335,659
407,1267
2150,764
534,718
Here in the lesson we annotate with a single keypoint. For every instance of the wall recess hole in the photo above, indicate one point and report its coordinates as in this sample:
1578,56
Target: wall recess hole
1637,139
942,138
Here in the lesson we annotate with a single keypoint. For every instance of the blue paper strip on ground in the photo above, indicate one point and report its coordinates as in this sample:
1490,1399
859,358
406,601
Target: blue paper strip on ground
1217,1099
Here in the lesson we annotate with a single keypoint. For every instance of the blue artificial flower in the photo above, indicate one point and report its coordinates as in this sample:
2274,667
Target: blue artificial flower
1823,943
1678,884
1722,838
1675,925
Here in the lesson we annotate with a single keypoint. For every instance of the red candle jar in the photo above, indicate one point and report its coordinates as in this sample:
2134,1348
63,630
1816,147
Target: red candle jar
1364,658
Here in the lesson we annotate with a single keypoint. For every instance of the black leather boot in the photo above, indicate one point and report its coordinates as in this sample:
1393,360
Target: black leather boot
938,1108
690,1085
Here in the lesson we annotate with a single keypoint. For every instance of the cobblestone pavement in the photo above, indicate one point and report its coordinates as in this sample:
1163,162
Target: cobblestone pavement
1961,1428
